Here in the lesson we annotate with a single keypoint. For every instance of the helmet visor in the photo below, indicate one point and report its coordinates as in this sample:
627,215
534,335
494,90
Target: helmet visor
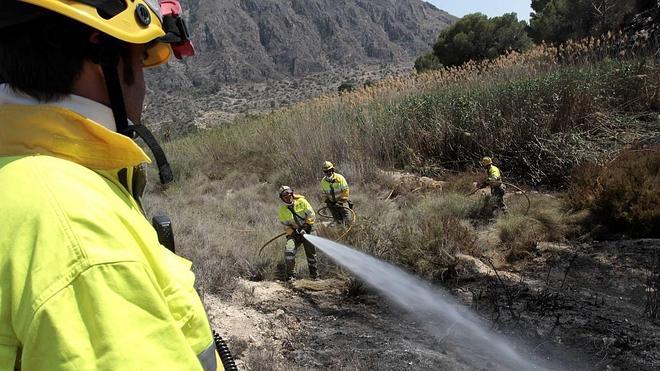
157,53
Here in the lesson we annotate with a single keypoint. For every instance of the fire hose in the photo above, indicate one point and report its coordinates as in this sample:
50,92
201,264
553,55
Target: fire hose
529,202
224,353
320,213
271,240
353,218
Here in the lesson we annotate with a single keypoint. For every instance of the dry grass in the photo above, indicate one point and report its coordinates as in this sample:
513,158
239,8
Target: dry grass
462,182
538,117
540,121
520,232
220,225
419,232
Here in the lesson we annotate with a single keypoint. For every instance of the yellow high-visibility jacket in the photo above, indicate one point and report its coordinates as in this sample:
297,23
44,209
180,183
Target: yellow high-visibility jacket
84,282
335,190
494,178
304,214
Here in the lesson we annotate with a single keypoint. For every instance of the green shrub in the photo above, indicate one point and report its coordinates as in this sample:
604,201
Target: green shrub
542,126
346,87
427,62
429,247
476,37
622,196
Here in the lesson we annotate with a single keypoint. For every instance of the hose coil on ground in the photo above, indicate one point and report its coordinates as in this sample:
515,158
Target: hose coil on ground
529,202
321,213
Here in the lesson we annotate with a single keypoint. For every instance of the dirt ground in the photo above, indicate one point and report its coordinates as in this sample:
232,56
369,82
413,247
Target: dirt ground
580,307
315,325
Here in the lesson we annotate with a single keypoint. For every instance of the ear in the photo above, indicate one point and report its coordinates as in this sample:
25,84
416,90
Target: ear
95,38
93,52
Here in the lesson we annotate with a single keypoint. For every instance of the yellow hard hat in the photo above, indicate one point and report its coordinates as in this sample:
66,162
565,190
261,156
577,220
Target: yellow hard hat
135,22
328,166
486,161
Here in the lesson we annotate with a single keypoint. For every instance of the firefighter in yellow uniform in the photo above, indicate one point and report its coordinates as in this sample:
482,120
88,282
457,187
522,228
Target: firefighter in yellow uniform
494,181
84,281
298,217
335,193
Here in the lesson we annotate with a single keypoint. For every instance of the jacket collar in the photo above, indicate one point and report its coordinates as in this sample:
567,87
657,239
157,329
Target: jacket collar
60,132
95,111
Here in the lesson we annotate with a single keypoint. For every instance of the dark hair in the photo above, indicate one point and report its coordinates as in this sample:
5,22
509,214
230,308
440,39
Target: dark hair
43,57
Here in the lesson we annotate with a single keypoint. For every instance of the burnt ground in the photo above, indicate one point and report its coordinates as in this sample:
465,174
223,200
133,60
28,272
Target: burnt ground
598,301
580,307
366,334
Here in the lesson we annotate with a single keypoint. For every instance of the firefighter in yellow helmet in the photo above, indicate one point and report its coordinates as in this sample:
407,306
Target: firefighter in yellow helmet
84,282
335,193
298,217
494,181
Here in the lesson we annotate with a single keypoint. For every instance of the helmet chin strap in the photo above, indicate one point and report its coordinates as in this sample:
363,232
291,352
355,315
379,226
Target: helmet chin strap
109,60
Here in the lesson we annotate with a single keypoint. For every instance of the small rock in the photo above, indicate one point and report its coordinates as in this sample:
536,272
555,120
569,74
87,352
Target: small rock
471,266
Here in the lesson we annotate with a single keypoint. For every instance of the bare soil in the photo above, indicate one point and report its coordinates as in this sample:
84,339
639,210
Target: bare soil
578,306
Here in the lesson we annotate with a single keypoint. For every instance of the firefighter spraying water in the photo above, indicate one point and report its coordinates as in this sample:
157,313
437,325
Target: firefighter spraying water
297,217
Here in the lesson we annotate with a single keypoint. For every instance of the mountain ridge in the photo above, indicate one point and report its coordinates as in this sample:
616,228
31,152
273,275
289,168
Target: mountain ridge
243,42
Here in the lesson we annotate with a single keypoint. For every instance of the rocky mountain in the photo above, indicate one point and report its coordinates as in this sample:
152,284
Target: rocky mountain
260,41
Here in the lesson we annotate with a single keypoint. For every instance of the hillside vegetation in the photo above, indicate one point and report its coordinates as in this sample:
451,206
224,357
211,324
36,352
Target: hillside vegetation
540,114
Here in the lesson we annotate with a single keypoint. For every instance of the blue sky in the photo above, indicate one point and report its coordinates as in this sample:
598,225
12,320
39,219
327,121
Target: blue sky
491,8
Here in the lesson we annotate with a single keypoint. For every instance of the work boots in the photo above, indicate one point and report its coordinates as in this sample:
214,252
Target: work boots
313,273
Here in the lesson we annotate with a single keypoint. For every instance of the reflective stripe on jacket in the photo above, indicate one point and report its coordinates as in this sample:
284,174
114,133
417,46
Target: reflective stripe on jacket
84,282
336,189
303,210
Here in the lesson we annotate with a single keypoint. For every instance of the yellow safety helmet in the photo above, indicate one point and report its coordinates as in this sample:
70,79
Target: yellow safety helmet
285,190
327,166
486,161
154,22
